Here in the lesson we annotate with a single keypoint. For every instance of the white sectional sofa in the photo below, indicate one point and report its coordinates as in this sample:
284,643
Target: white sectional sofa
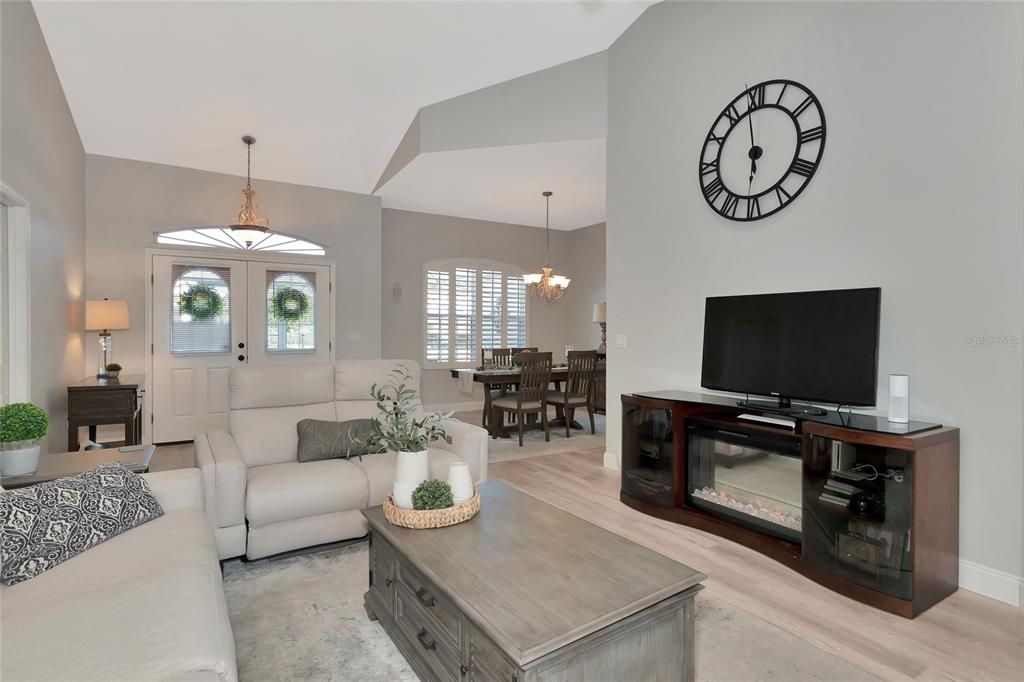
145,605
264,501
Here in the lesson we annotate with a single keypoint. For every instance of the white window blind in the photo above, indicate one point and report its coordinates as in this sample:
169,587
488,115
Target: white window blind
515,318
490,313
465,314
468,307
200,309
438,288
283,334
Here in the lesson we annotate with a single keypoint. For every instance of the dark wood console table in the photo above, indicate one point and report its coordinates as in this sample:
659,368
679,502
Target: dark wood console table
866,508
93,402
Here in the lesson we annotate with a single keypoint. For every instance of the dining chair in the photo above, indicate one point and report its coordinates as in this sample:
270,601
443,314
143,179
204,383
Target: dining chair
531,397
500,357
579,388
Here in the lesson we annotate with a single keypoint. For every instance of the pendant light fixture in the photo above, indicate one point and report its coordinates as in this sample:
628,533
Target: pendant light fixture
249,227
543,285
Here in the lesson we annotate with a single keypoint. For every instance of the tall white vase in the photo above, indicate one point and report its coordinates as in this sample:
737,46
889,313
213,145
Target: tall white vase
411,469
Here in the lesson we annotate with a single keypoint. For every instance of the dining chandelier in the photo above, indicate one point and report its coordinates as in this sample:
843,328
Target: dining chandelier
249,226
544,285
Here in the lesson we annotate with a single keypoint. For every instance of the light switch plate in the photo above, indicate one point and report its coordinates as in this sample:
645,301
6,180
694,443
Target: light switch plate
620,340
355,337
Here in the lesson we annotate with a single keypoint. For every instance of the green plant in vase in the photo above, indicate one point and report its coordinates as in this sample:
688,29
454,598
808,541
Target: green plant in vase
22,425
401,427
433,495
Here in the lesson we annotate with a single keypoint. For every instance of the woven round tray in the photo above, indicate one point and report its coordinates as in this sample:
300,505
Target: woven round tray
432,518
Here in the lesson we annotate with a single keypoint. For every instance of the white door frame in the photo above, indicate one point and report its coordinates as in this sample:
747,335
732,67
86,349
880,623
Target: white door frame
17,289
221,254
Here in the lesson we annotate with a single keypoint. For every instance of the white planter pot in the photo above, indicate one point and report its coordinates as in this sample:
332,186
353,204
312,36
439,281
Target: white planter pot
19,458
411,469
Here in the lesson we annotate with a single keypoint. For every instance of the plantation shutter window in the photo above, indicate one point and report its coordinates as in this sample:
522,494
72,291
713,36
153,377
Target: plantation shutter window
491,309
437,304
515,318
465,314
469,306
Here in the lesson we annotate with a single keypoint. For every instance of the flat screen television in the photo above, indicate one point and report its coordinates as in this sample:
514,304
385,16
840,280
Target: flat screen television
811,345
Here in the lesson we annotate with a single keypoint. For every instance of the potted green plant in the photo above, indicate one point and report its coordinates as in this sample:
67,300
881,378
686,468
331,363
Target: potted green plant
400,427
21,427
113,370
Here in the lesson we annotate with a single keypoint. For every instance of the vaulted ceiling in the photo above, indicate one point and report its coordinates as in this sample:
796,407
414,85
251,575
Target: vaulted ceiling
327,88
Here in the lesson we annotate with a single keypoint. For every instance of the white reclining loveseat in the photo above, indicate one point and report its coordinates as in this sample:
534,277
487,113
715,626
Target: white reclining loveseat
262,500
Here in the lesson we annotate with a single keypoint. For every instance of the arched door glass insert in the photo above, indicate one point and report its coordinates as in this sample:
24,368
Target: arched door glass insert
200,310
291,312
222,238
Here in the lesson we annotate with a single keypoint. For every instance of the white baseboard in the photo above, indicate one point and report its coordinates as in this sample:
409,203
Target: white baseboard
993,583
611,460
456,407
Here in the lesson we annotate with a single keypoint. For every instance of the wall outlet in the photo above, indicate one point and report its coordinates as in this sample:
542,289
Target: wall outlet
620,340
355,337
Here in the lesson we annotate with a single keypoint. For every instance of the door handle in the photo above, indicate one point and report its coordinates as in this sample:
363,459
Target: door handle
241,345
241,358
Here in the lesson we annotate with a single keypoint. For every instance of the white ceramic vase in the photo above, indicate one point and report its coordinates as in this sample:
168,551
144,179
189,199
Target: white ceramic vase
19,458
461,481
410,470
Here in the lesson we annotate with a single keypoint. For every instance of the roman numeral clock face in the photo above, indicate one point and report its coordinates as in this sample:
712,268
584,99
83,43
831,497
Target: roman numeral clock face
762,150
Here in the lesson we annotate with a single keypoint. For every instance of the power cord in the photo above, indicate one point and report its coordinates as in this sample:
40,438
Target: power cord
892,474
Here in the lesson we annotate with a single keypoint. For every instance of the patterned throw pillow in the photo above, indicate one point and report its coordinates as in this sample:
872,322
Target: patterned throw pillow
44,525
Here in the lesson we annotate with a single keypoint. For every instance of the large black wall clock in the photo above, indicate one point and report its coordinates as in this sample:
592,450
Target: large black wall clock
762,150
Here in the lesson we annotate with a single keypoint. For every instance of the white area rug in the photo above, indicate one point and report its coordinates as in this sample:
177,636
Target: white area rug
302,618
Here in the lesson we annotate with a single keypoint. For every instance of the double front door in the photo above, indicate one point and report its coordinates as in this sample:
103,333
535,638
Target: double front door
211,314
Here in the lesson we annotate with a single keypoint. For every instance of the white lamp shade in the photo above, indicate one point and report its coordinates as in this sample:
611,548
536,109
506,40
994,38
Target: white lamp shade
600,312
106,314
533,278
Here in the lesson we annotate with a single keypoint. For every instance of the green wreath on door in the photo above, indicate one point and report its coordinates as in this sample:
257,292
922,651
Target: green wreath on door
289,304
201,302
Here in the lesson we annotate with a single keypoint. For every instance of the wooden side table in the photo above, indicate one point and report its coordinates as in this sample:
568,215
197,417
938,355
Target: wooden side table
93,402
54,465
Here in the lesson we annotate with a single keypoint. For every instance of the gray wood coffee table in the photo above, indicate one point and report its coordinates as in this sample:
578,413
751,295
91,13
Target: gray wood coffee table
528,592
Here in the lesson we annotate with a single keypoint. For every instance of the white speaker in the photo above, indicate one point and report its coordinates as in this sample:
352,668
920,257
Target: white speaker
899,398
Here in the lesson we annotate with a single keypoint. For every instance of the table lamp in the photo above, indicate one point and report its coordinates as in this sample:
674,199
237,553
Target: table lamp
103,317
600,317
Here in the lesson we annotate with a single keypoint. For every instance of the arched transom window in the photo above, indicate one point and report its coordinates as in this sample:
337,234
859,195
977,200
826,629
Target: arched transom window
222,238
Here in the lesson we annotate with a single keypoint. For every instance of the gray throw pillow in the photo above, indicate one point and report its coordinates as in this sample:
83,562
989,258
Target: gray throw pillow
320,439
44,525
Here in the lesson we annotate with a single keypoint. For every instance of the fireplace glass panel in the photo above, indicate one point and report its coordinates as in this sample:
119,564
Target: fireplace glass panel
648,453
747,478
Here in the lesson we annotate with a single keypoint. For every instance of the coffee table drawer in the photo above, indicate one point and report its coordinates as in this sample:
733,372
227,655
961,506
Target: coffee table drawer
420,629
444,615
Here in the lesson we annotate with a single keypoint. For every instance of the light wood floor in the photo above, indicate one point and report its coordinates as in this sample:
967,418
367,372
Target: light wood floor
966,637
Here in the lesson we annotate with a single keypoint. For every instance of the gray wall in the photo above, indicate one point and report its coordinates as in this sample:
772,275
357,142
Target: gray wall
43,161
919,192
412,239
127,201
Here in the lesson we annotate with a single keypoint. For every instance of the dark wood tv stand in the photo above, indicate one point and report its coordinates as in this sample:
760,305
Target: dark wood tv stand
894,545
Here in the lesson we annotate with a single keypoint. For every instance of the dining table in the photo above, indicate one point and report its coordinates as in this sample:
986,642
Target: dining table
506,377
